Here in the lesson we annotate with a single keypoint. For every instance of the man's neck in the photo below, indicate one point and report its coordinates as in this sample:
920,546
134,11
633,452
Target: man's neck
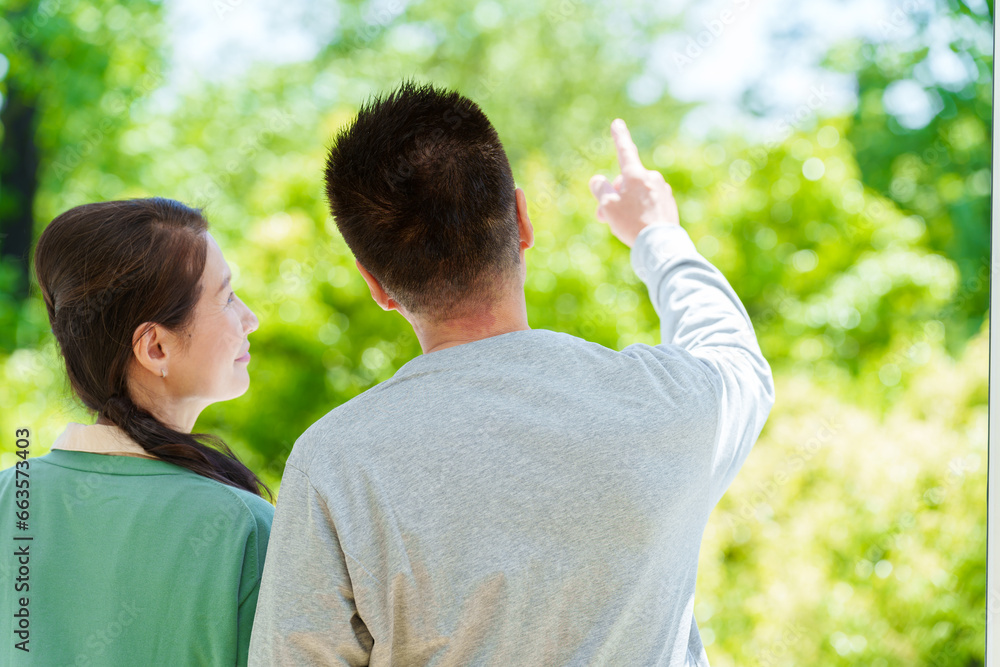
500,319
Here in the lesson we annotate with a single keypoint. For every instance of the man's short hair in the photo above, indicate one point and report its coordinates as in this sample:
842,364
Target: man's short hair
422,192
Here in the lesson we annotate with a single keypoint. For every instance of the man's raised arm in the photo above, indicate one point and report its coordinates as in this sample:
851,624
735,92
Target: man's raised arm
698,309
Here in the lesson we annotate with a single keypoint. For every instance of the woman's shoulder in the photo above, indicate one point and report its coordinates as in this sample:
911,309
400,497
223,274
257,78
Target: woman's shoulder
215,508
251,505
244,515
262,510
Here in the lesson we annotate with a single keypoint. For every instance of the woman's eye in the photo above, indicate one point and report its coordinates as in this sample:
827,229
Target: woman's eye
231,296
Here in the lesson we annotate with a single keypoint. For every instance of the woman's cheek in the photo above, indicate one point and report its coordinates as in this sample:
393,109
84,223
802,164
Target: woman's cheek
237,324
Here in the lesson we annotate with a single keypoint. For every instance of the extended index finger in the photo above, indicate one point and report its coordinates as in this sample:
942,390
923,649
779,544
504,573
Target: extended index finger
628,154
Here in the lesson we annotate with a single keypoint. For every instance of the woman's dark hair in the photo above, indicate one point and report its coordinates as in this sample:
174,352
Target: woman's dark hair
106,268
421,190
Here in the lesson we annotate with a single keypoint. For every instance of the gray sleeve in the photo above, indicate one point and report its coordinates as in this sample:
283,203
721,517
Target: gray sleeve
700,313
306,614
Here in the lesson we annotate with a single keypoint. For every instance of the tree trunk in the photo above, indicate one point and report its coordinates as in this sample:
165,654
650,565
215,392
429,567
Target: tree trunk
18,182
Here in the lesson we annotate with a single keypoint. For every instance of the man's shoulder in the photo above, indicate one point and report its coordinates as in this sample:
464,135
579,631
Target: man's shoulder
554,357
332,434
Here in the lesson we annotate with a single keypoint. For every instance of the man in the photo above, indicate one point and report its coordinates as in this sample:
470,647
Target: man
513,496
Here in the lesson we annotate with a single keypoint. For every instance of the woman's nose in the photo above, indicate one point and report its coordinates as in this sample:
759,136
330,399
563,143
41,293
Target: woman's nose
250,322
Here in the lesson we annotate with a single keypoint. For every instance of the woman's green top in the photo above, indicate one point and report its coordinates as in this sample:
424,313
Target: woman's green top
126,561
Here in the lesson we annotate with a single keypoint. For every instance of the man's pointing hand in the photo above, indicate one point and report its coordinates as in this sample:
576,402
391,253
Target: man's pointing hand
638,198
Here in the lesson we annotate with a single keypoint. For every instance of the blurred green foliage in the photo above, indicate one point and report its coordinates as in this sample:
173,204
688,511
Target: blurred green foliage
856,532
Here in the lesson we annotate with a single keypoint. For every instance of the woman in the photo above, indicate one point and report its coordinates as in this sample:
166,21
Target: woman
147,541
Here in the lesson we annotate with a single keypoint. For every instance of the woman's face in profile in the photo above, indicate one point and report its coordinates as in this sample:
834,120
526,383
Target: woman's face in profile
212,364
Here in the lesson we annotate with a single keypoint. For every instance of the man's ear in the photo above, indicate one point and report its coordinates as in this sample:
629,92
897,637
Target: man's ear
375,287
524,228
152,346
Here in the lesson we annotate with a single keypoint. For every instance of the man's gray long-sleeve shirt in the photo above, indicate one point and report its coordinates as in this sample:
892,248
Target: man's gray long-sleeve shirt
526,499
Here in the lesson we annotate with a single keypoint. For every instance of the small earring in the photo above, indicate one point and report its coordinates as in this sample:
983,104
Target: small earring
163,373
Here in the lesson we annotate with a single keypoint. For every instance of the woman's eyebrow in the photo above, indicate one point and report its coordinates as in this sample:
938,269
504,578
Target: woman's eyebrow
225,283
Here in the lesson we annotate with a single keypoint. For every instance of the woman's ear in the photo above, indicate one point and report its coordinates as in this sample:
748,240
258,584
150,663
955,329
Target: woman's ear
151,346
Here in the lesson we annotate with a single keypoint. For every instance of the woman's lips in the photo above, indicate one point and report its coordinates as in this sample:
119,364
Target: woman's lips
245,357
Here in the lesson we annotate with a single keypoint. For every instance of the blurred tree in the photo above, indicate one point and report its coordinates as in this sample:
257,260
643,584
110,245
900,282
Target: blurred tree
922,133
846,241
70,71
834,275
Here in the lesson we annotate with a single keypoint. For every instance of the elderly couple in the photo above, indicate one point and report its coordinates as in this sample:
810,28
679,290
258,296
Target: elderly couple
512,496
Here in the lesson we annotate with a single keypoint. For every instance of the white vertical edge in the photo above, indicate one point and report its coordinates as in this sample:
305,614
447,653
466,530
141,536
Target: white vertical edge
993,447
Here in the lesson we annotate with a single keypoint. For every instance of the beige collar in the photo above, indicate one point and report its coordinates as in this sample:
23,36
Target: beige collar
99,439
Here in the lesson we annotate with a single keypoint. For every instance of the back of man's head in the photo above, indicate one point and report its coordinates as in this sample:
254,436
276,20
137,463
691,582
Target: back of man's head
422,192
